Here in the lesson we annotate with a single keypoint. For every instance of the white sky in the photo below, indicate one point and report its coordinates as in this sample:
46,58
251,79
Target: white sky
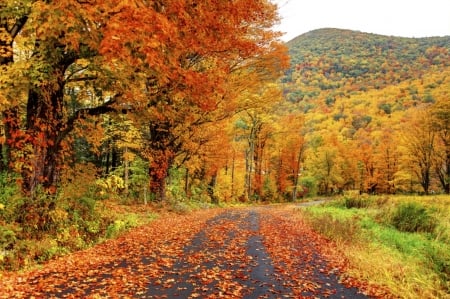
407,18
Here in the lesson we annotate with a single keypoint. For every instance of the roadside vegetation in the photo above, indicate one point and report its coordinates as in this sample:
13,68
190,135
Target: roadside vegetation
85,212
60,224
400,242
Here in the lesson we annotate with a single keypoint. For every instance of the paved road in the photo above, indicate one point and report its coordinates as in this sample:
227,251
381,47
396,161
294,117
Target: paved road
234,254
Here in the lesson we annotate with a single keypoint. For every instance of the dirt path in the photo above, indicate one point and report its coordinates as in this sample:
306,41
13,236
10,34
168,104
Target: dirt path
241,253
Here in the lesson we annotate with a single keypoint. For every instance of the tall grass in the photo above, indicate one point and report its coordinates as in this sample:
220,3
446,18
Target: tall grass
398,242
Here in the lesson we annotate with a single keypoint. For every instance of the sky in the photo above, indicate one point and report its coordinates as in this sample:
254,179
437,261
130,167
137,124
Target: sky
406,18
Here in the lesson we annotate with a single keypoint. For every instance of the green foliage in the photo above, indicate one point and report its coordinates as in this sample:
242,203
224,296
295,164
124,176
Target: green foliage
139,177
176,185
309,183
137,180
413,217
110,185
121,225
8,236
9,197
44,226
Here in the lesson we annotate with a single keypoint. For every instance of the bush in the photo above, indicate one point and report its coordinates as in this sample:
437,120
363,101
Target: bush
353,202
7,237
9,197
413,217
357,202
121,225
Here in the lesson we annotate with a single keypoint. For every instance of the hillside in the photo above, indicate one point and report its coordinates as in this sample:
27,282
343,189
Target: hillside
357,89
327,59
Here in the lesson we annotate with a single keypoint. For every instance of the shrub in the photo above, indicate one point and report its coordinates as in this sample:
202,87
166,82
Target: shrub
121,225
356,201
180,208
9,197
7,237
413,217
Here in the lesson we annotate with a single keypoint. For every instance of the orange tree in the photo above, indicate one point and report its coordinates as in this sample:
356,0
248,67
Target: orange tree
186,67
168,61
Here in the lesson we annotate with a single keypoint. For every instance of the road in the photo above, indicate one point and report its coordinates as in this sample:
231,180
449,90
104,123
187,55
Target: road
258,252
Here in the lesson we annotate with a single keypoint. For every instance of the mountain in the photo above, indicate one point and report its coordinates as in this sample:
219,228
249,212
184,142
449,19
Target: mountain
328,63
366,60
357,94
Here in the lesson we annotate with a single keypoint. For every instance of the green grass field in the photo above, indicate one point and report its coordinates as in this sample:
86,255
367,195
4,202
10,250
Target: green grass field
400,242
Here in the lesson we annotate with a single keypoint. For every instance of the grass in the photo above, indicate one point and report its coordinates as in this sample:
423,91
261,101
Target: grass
413,263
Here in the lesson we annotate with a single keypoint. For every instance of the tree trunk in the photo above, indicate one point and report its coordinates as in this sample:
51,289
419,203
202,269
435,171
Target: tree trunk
297,173
211,186
126,171
38,149
158,175
44,126
186,183
260,142
161,157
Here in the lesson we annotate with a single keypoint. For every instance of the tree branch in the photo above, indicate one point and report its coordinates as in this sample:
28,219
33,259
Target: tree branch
82,113
82,79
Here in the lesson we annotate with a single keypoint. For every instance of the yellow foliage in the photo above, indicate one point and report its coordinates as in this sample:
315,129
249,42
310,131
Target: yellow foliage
111,184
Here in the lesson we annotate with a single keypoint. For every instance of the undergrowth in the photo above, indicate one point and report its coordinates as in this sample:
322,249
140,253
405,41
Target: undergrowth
36,229
39,228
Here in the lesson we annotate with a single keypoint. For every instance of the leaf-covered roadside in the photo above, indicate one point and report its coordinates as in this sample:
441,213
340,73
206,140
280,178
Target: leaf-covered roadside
307,260
151,245
228,253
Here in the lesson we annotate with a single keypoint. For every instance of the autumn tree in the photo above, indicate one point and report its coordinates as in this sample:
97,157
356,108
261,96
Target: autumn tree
167,55
13,17
256,127
324,162
184,83
57,45
440,122
387,161
290,146
419,139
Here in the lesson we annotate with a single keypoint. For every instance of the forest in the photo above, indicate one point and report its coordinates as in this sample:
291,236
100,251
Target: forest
376,111
187,101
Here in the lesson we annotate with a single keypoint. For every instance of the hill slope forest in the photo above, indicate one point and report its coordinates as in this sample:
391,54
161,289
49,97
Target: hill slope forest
376,111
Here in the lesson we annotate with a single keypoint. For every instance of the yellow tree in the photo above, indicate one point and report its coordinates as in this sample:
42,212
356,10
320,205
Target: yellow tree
387,161
419,140
291,146
256,126
440,122
324,162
